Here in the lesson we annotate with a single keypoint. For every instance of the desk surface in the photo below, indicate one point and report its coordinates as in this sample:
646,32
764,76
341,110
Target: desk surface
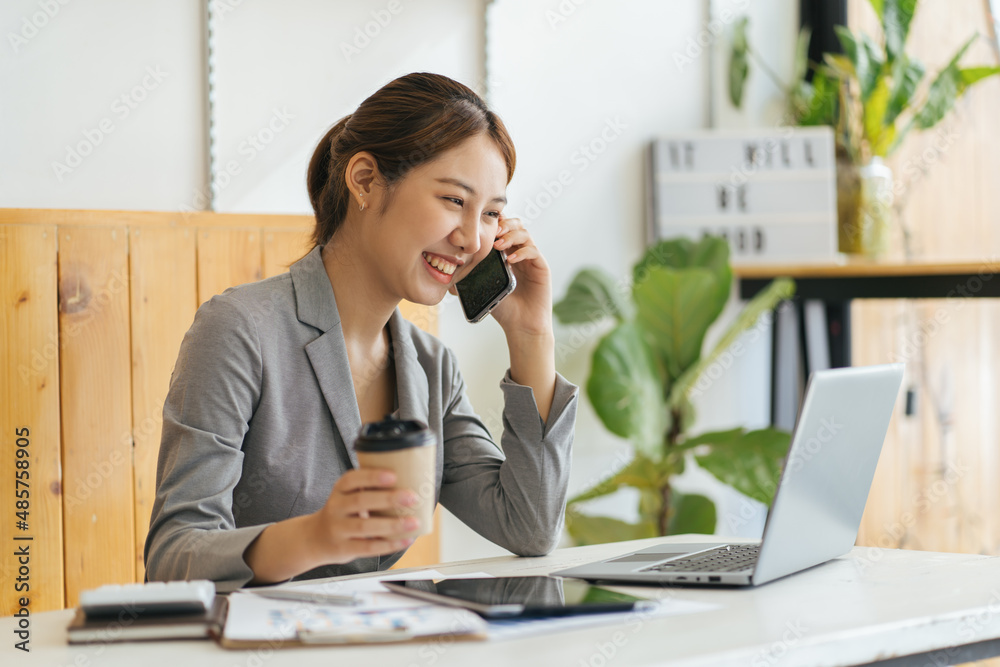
870,605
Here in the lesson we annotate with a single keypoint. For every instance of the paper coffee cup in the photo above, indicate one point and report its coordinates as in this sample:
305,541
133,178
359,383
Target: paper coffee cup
409,449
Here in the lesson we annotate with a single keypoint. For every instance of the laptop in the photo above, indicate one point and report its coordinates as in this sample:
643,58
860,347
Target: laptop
817,506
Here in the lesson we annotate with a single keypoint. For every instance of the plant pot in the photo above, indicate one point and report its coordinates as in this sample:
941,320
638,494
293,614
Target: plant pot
864,206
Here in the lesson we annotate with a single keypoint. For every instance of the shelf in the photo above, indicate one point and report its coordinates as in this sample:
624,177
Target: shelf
860,279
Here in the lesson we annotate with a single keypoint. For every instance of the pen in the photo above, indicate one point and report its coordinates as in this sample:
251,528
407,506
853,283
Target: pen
306,596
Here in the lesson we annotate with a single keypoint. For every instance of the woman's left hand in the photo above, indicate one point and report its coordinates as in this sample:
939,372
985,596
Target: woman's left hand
528,310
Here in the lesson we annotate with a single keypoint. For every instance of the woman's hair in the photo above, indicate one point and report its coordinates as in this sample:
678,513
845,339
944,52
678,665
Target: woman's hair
407,122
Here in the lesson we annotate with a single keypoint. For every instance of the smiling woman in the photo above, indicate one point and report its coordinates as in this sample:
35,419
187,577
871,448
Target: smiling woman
275,379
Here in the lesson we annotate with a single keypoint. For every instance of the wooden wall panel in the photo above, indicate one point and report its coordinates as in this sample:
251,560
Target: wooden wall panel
97,337
164,299
283,248
937,486
95,389
29,399
227,257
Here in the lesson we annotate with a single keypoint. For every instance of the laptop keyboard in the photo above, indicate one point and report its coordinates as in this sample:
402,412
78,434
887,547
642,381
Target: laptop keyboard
729,558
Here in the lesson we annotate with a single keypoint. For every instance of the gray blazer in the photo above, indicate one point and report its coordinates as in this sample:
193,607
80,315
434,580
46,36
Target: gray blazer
261,418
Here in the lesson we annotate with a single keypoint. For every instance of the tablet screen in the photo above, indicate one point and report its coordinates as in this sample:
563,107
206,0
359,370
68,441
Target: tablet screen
538,595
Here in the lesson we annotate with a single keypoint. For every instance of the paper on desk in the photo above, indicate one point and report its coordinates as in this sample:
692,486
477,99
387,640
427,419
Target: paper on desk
632,621
255,618
375,596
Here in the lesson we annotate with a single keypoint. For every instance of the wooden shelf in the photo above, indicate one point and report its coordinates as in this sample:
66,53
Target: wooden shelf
864,268
860,279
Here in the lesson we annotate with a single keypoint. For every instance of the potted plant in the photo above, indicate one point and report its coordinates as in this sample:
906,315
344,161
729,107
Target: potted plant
871,94
643,374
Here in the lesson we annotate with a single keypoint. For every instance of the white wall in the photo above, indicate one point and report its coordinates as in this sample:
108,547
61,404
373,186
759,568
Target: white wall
563,74
80,84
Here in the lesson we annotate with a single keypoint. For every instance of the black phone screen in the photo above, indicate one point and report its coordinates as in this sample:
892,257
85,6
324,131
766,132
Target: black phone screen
480,289
539,595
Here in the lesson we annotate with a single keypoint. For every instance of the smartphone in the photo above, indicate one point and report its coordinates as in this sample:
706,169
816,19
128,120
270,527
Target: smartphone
485,286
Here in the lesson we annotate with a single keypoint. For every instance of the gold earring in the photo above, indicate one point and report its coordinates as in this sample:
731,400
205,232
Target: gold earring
361,207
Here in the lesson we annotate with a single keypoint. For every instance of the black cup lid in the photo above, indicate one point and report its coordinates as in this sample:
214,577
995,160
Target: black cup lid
392,434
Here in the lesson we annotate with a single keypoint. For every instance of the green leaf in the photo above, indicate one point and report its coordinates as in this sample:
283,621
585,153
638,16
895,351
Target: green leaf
896,16
625,391
865,57
593,296
944,90
840,65
818,102
603,488
879,7
713,438
750,463
801,63
675,308
644,473
641,473
971,75
739,65
585,529
710,252
907,74
765,301
874,115
691,513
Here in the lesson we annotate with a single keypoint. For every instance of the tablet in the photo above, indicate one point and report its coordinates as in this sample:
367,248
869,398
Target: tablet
506,597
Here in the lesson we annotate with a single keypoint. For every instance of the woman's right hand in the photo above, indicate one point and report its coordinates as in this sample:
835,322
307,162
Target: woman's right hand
344,528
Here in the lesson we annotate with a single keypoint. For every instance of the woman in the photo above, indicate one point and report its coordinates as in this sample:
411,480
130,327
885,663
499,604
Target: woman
257,480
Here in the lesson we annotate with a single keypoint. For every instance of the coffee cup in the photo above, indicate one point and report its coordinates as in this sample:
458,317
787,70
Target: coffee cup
409,449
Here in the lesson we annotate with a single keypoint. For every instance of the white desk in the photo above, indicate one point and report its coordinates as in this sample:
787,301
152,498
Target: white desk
869,606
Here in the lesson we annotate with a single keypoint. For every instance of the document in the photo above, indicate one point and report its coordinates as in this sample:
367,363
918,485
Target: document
380,617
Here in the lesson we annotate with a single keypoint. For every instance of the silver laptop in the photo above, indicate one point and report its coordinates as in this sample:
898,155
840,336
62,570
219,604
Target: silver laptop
818,503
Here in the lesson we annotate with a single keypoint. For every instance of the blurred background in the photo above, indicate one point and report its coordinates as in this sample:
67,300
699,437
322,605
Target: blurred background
169,105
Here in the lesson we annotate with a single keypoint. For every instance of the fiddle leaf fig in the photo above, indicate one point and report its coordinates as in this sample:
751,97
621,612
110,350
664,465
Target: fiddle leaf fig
749,462
675,309
654,352
625,389
691,513
592,296
586,529
711,252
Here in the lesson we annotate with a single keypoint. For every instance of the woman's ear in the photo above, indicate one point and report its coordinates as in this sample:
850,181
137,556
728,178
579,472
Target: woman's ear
361,176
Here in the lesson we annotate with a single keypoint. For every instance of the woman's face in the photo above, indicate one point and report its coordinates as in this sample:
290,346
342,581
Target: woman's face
441,222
